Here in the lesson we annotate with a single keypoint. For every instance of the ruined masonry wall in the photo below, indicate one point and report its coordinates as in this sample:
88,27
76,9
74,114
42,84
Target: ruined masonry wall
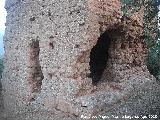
60,27
47,50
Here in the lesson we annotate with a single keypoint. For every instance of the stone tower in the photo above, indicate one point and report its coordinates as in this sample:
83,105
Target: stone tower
76,56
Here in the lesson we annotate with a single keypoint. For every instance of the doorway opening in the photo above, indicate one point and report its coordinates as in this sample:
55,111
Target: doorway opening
98,57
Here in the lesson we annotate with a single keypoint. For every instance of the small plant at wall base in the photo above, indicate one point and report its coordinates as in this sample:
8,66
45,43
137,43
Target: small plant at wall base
151,31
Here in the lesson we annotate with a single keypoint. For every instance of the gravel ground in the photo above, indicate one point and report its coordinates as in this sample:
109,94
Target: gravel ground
144,104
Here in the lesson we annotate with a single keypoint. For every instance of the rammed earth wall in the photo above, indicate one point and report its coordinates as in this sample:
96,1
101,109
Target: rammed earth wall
76,56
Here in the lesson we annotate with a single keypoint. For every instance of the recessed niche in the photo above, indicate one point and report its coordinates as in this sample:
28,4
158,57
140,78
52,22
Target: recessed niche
99,57
36,75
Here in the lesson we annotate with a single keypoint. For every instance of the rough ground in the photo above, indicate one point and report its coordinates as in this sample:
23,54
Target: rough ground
145,102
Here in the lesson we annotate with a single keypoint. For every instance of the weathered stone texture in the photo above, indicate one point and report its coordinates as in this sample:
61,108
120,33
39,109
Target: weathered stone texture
47,55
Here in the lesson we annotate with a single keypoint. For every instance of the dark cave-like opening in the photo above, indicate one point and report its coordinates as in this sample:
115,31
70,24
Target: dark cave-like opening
99,57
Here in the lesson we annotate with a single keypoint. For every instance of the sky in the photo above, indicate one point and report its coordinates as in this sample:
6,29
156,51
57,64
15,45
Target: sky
2,15
2,24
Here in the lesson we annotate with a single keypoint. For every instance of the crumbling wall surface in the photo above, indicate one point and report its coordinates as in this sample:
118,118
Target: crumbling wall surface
16,40
47,55
128,50
125,69
43,72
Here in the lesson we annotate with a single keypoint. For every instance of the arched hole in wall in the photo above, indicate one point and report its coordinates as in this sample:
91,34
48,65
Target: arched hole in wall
99,57
36,75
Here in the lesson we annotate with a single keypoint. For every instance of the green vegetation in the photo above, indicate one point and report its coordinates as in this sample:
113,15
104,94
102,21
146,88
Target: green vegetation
152,35
130,6
151,30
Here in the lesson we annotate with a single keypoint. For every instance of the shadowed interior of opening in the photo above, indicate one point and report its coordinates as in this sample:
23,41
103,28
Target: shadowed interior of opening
36,75
99,57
